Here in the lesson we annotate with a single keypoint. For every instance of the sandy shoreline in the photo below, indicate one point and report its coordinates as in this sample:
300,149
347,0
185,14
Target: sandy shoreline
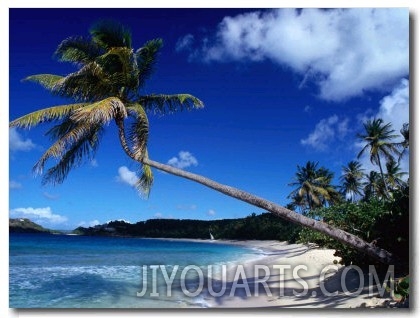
291,276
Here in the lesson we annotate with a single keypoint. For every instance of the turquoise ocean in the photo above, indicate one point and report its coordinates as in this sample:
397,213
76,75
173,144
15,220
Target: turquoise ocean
70,271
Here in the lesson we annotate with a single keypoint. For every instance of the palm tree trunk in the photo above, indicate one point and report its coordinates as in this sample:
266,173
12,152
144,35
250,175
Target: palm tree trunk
382,175
349,239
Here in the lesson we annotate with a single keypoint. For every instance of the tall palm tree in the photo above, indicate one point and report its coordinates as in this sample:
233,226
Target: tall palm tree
107,87
313,186
352,180
378,137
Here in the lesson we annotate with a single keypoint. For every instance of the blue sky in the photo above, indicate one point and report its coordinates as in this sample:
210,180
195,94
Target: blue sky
280,87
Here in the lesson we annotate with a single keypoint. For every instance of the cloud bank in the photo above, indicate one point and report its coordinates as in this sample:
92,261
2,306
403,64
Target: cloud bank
345,52
41,215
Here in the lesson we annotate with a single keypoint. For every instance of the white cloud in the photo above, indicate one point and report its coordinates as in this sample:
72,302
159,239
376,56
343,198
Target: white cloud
343,51
127,176
38,215
184,160
94,163
394,108
211,212
14,185
18,143
184,43
325,132
89,223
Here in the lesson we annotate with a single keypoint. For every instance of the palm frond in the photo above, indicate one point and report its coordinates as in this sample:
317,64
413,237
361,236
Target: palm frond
61,129
146,59
78,50
48,81
139,131
81,143
90,83
60,147
145,182
45,115
108,34
163,104
121,66
100,112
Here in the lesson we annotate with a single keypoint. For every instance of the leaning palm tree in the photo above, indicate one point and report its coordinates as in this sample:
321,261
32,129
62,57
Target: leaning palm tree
313,186
379,142
108,87
352,180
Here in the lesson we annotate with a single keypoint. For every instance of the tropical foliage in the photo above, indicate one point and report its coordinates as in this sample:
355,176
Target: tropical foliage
383,223
377,206
313,187
265,226
378,139
352,180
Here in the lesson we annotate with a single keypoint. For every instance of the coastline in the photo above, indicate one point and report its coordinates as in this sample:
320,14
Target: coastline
293,276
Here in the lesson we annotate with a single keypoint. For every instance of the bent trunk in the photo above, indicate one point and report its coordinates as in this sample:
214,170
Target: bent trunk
349,239
342,236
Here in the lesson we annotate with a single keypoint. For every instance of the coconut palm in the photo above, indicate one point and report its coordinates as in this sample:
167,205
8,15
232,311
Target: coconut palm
379,142
314,186
352,180
394,175
108,87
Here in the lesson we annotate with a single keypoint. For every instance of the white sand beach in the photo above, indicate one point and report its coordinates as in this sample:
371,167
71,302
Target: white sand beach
294,276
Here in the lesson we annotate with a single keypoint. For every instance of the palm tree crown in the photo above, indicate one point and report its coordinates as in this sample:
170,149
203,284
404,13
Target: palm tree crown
314,186
379,142
352,179
107,86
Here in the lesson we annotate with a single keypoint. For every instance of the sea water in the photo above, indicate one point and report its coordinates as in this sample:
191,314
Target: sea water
69,271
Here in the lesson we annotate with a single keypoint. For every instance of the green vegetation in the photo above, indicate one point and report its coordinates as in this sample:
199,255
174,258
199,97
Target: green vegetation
373,206
263,227
26,226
